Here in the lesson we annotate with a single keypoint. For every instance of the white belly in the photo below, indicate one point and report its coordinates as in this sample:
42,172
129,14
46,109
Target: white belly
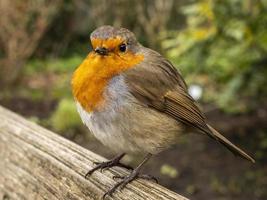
125,125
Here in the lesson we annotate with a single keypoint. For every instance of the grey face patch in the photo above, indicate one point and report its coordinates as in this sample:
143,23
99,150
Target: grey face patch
106,32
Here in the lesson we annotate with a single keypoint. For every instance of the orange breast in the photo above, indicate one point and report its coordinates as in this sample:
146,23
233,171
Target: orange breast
91,78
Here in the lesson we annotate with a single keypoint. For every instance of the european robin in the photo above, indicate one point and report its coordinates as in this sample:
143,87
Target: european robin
134,100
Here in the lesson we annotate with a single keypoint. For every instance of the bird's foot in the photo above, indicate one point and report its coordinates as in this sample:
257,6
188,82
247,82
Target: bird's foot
108,164
142,176
128,179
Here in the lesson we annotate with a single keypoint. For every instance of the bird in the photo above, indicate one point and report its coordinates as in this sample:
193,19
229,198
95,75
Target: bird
133,100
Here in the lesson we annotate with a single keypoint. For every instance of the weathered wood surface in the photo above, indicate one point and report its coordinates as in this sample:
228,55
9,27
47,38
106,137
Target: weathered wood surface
38,164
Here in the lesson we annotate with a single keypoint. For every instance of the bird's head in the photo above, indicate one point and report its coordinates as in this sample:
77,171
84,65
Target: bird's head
107,41
114,51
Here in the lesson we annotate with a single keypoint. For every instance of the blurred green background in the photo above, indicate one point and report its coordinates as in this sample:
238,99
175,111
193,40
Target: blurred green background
220,47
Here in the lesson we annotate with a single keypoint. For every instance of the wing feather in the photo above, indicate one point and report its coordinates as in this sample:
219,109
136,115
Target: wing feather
156,83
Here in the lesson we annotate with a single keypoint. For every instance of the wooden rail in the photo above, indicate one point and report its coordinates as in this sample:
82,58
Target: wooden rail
38,164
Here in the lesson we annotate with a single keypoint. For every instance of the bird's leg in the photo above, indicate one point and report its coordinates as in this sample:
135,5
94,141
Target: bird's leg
108,164
129,178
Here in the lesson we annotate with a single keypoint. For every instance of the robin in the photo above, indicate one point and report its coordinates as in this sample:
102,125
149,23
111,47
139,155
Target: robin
135,101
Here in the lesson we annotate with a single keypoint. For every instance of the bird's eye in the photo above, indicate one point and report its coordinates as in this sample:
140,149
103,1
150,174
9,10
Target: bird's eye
122,47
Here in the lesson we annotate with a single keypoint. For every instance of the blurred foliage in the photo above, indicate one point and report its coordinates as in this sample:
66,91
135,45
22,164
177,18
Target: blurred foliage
57,72
65,117
78,18
218,45
224,48
169,171
23,24
57,66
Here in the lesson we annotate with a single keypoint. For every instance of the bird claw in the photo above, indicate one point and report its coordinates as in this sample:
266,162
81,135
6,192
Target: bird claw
142,176
121,184
101,166
127,179
125,166
148,177
108,164
97,163
102,169
117,177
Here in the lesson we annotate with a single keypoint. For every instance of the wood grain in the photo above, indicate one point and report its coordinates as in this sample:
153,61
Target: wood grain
38,164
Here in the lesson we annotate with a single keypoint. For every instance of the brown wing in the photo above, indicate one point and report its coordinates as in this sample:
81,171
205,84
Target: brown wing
181,106
157,84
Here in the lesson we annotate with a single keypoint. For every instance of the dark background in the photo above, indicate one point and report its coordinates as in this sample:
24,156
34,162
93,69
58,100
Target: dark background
219,46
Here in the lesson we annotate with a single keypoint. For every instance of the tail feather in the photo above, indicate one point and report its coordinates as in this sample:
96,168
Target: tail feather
237,151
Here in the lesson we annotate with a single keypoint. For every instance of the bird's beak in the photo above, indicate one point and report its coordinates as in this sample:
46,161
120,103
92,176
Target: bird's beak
101,51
